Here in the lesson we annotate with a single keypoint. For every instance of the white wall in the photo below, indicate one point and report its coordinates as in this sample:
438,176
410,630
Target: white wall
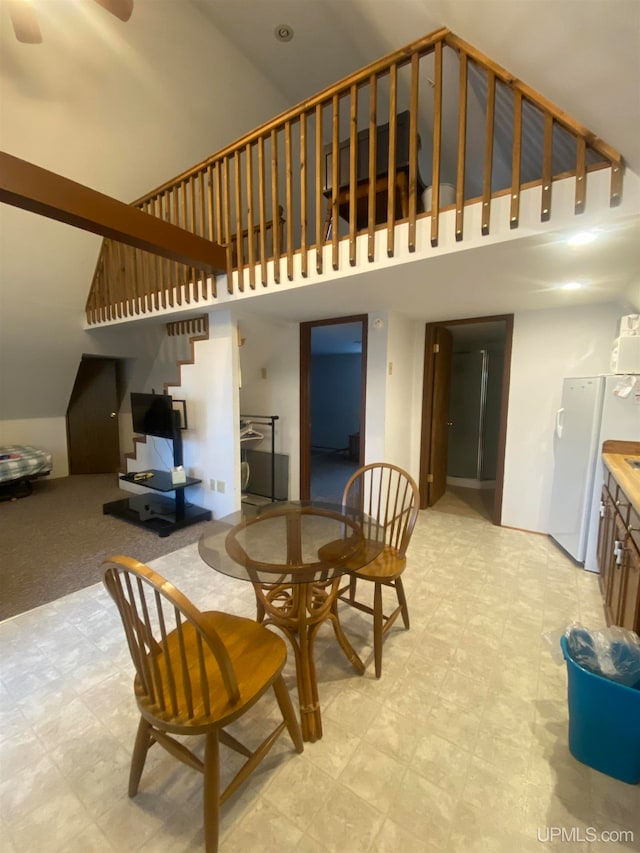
376,403
121,108
47,433
403,410
547,346
211,444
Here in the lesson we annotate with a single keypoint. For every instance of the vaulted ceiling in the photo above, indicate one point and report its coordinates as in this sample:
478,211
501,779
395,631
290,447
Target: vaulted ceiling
122,107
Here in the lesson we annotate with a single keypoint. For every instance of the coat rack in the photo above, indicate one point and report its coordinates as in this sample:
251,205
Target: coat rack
249,433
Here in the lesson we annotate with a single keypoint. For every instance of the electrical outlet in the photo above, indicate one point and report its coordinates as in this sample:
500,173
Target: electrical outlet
220,486
212,485
390,368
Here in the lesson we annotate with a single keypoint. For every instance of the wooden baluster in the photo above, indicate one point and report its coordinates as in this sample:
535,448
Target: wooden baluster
353,173
262,211
615,193
187,270
154,265
239,238
210,211
176,268
194,227
208,201
514,214
103,292
488,152
547,159
275,207
167,265
133,278
335,180
391,179
437,133
319,221
413,151
119,282
462,145
219,225
111,271
125,273
251,247
373,156
581,174
289,199
226,216
198,229
304,249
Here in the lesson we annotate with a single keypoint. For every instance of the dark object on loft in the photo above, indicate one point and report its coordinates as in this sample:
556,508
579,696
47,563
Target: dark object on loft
382,172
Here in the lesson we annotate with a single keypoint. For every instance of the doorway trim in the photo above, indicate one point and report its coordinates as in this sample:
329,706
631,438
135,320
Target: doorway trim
305,393
428,408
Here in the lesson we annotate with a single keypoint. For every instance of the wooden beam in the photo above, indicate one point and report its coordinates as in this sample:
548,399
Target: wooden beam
32,188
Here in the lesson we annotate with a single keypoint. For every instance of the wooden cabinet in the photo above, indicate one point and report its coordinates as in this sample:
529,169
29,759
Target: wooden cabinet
619,556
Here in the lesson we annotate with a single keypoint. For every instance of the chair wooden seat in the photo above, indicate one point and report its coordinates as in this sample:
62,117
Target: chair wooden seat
196,673
387,566
258,658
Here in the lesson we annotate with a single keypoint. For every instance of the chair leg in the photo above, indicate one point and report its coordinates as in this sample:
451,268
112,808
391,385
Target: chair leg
341,637
378,628
211,793
402,601
353,580
140,749
288,714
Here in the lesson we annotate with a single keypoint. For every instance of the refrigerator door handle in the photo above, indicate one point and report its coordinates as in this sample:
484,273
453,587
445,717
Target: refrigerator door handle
559,422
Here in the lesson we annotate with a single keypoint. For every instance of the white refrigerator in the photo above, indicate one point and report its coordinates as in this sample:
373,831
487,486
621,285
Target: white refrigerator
593,409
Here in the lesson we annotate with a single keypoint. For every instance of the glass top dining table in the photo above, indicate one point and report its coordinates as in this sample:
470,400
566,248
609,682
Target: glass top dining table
295,554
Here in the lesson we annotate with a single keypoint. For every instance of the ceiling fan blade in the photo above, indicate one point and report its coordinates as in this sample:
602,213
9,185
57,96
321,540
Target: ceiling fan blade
25,23
120,8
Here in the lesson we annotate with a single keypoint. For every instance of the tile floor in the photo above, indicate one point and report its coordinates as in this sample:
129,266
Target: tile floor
460,746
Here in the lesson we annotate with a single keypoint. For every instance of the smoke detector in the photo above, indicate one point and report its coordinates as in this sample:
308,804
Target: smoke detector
284,32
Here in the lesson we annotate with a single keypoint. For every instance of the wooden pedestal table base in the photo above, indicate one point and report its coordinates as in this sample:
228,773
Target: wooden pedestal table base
295,555
299,610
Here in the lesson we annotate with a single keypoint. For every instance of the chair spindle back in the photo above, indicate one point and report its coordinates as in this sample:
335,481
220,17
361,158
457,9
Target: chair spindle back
166,635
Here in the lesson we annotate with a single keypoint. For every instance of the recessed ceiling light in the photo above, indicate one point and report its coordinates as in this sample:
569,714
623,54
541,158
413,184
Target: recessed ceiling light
284,32
572,285
582,238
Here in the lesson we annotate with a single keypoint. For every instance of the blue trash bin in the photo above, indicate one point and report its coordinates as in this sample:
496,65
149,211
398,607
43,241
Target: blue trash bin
604,722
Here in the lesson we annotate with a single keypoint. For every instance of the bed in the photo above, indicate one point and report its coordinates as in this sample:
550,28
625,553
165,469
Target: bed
20,464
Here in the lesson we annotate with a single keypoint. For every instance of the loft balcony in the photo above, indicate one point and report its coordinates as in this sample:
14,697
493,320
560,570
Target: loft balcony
432,148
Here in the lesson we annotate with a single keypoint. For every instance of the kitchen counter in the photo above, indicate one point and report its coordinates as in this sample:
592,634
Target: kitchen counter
614,456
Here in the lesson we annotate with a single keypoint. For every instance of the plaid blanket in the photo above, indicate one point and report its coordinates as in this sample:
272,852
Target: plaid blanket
19,462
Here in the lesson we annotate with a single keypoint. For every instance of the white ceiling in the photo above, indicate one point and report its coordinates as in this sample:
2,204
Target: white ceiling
583,55
122,107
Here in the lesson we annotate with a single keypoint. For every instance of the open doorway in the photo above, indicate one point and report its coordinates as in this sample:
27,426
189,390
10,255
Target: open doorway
467,366
332,404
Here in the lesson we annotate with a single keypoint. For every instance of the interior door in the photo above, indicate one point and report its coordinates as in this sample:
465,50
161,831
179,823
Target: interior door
435,417
92,419
306,393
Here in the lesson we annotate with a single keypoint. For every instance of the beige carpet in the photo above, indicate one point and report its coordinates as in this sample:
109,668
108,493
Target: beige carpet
53,541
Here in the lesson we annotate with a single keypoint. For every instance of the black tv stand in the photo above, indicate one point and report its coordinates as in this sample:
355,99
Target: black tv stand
159,514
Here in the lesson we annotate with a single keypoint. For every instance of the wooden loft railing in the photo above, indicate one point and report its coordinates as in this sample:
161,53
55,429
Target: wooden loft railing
356,158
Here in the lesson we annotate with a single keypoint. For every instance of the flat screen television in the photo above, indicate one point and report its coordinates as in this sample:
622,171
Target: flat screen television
154,414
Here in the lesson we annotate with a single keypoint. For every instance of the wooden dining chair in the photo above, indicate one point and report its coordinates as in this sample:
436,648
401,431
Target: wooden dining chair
196,672
389,496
